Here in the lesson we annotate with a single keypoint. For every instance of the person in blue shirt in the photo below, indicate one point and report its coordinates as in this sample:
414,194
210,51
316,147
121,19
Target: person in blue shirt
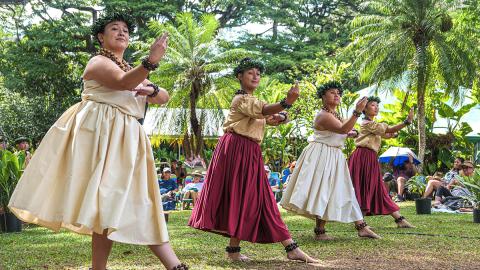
168,188
287,171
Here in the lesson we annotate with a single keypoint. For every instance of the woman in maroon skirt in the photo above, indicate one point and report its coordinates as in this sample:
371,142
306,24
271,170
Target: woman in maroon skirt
236,200
365,169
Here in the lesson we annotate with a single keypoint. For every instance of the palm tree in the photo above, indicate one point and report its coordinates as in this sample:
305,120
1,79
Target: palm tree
196,68
417,39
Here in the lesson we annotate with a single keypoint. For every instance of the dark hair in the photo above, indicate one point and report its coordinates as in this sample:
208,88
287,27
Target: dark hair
461,159
99,25
249,63
327,86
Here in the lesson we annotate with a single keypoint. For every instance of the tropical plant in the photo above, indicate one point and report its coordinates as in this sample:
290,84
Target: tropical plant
418,41
417,184
472,183
193,67
9,175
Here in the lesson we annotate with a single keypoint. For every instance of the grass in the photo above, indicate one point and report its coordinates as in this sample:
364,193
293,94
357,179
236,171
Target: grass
440,241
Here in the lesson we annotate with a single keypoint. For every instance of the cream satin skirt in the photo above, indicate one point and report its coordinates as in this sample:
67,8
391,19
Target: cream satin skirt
94,170
320,186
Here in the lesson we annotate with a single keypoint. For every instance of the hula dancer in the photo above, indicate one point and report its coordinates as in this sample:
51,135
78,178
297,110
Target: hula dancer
320,187
94,171
236,200
365,169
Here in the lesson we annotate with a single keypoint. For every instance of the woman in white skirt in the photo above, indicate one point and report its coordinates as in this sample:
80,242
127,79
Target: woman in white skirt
320,187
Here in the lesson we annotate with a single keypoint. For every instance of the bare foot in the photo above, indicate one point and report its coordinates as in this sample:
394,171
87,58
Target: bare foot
298,255
366,232
404,224
324,237
237,257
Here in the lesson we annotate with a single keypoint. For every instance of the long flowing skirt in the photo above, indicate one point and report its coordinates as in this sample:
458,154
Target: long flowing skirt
367,181
94,170
236,199
320,186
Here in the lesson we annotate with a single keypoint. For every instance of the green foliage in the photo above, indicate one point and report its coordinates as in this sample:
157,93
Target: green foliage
9,175
416,184
440,148
472,183
416,41
192,67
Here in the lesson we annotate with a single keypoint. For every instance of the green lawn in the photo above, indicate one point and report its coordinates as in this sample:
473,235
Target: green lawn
440,241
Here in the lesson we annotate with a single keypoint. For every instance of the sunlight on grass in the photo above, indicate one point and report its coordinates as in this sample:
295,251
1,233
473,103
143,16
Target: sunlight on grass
453,237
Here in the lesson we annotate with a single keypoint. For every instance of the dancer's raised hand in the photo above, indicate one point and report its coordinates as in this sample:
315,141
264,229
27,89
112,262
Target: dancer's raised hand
293,94
158,49
361,104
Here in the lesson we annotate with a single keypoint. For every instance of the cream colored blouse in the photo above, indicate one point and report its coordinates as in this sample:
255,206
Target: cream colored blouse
371,134
245,117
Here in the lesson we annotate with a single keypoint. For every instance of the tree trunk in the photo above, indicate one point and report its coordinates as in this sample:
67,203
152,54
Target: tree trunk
275,30
197,140
421,60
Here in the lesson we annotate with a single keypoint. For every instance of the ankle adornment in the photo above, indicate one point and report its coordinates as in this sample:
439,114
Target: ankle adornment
361,226
319,231
291,247
232,249
400,219
180,267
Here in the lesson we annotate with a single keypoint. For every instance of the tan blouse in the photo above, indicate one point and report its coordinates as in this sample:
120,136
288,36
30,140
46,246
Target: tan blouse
245,117
371,134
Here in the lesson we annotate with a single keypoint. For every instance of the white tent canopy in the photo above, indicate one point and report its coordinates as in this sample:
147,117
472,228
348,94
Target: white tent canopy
166,121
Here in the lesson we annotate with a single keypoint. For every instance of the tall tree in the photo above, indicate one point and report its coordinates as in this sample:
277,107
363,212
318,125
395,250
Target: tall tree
195,65
417,40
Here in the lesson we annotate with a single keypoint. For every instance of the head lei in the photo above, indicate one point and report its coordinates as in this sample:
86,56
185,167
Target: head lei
327,86
249,63
99,25
373,98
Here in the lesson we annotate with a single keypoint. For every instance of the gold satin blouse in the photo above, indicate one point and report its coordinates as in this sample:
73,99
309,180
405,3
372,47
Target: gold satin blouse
245,117
371,134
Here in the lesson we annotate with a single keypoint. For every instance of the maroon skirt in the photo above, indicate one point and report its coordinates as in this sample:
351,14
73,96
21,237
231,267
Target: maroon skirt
236,199
368,184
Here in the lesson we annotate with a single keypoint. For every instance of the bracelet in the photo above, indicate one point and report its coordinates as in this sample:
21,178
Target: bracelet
356,113
155,90
284,104
148,65
406,122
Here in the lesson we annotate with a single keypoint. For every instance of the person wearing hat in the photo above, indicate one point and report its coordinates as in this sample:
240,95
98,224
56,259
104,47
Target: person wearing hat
191,190
455,187
96,162
237,201
168,188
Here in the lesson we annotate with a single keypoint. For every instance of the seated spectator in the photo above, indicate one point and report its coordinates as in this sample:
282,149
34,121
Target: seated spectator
433,183
168,187
273,181
455,187
192,190
178,169
287,171
402,173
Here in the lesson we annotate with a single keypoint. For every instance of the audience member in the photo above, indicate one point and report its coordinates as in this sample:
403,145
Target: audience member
192,190
402,173
168,187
